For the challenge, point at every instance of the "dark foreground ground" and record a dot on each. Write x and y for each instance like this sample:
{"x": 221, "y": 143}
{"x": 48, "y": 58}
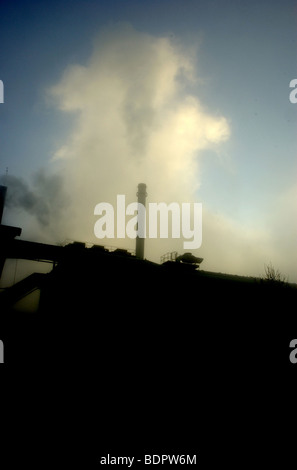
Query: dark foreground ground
{"x": 129, "y": 358}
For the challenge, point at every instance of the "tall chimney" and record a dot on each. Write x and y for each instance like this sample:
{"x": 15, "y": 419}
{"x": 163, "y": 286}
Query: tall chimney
{"x": 141, "y": 195}
{"x": 3, "y": 190}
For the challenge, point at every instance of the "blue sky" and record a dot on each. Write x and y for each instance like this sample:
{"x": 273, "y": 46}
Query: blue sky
{"x": 236, "y": 60}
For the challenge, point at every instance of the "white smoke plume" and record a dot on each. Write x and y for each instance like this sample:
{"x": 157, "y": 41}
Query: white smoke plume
{"x": 135, "y": 122}
{"x": 135, "y": 118}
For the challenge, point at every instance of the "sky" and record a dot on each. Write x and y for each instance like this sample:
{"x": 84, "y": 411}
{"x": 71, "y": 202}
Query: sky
{"x": 190, "y": 97}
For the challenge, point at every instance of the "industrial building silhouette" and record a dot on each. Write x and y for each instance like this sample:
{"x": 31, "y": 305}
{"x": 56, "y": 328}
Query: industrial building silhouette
{"x": 96, "y": 291}
{"x": 184, "y": 349}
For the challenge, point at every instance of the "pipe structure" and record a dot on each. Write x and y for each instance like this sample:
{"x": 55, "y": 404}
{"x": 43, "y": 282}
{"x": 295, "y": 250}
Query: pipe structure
{"x": 3, "y": 190}
{"x": 141, "y": 195}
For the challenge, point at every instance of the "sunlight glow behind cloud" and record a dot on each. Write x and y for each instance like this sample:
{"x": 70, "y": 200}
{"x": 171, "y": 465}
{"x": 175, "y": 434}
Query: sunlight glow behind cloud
{"x": 135, "y": 121}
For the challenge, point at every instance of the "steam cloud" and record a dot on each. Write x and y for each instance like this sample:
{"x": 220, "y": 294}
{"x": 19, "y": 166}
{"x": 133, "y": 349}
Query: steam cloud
{"x": 135, "y": 122}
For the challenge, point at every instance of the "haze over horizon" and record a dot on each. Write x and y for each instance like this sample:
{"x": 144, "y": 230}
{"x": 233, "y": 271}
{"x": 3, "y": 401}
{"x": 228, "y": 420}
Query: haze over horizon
{"x": 189, "y": 97}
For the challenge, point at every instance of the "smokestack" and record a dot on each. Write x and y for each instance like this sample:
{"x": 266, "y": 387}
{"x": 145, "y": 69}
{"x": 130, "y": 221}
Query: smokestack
{"x": 3, "y": 190}
{"x": 141, "y": 195}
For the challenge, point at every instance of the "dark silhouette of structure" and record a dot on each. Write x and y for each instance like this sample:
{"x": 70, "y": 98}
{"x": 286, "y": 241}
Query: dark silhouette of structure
{"x": 183, "y": 350}
{"x": 3, "y": 190}
{"x": 141, "y": 195}
{"x": 7, "y": 233}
